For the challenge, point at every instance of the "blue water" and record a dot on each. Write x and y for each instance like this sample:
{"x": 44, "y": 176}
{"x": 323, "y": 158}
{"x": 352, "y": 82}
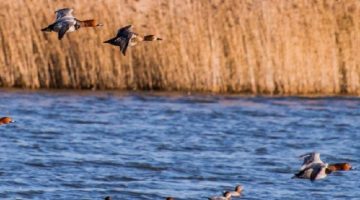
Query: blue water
{"x": 87, "y": 145}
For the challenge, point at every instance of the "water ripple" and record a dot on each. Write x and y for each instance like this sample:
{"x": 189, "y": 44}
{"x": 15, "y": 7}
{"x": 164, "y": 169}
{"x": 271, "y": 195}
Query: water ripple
{"x": 87, "y": 145}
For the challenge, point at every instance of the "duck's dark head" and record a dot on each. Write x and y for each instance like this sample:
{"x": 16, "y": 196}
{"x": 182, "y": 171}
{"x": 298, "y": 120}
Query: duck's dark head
{"x": 239, "y": 188}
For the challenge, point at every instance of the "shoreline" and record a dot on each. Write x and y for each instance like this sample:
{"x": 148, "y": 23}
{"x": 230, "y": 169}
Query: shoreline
{"x": 177, "y": 93}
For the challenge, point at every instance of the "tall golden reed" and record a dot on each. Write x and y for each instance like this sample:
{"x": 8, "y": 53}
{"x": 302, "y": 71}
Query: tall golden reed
{"x": 242, "y": 46}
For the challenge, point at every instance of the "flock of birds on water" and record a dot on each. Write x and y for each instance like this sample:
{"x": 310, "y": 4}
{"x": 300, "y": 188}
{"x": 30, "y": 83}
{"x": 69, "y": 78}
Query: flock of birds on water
{"x": 312, "y": 168}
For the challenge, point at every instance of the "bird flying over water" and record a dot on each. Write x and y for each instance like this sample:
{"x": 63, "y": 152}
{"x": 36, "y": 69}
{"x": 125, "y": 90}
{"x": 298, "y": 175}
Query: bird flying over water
{"x": 314, "y": 168}
{"x": 126, "y": 37}
{"x": 65, "y": 22}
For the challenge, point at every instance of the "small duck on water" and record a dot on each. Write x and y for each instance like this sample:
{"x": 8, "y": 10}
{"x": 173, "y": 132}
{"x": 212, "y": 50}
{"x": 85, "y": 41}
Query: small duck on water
{"x": 226, "y": 196}
{"x": 314, "y": 168}
{"x": 65, "y": 22}
{"x": 237, "y": 192}
{"x": 6, "y": 120}
{"x": 126, "y": 37}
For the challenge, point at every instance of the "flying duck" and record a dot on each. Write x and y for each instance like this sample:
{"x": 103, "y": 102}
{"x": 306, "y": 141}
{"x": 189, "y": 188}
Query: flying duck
{"x": 314, "y": 168}
{"x": 126, "y": 37}
{"x": 65, "y": 22}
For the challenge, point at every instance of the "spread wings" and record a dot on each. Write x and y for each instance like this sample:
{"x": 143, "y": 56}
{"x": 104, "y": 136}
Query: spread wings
{"x": 309, "y": 159}
{"x": 124, "y": 31}
{"x": 63, "y": 30}
{"x": 65, "y": 12}
{"x": 124, "y": 36}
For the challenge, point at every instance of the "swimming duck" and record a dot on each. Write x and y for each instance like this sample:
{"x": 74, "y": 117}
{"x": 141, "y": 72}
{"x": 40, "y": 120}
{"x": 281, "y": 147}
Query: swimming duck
{"x": 169, "y": 198}
{"x": 65, "y": 22}
{"x": 6, "y": 120}
{"x": 107, "y": 198}
{"x": 125, "y": 37}
{"x": 237, "y": 192}
{"x": 226, "y": 196}
{"x": 314, "y": 168}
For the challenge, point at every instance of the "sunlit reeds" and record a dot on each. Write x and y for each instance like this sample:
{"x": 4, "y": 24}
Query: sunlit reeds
{"x": 242, "y": 46}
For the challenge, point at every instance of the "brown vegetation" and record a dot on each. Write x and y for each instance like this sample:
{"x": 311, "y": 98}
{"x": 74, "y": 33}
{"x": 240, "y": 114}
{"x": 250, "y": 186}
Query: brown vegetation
{"x": 242, "y": 46}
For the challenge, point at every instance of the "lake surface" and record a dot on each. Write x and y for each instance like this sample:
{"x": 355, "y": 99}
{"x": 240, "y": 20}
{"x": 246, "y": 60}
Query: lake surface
{"x": 87, "y": 145}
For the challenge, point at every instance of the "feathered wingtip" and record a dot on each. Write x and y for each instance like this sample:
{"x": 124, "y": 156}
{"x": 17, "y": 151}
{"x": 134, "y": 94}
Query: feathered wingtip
{"x": 108, "y": 41}
{"x": 47, "y": 29}
{"x": 308, "y": 154}
{"x": 113, "y": 42}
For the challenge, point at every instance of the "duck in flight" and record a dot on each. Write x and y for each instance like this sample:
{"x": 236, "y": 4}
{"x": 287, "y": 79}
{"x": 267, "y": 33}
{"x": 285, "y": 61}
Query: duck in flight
{"x": 65, "y": 22}
{"x": 314, "y": 168}
{"x": 126, "y": 37}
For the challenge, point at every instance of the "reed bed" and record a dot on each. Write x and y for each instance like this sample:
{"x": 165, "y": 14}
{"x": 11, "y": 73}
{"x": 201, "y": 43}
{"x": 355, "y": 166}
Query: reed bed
{"x": 297, "y": 47}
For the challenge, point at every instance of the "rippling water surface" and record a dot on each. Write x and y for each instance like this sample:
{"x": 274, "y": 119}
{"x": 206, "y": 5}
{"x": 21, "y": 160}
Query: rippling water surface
{"x": 87, "y": 145}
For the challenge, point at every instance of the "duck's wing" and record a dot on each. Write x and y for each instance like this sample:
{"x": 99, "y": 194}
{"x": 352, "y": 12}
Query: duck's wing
{"x": 65, "y": 24}
{"x": 63, "y": 30}
{"x": 65, "y": 12}
{"x": 316, "y": 172}
{"x": 301, "y": 173}
{"x": 124, "y": 43}
{"x": 310, "y": 158}
{"x": 312, "y": 172}
{"x": 123, "y": 38}
{"x": 124, "y": 31}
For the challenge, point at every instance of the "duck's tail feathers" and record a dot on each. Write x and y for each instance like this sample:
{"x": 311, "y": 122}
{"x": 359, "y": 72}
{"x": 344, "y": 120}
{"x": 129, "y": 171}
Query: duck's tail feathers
{"x": 109, "y": 41}
{"x": 48, "y": 29}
